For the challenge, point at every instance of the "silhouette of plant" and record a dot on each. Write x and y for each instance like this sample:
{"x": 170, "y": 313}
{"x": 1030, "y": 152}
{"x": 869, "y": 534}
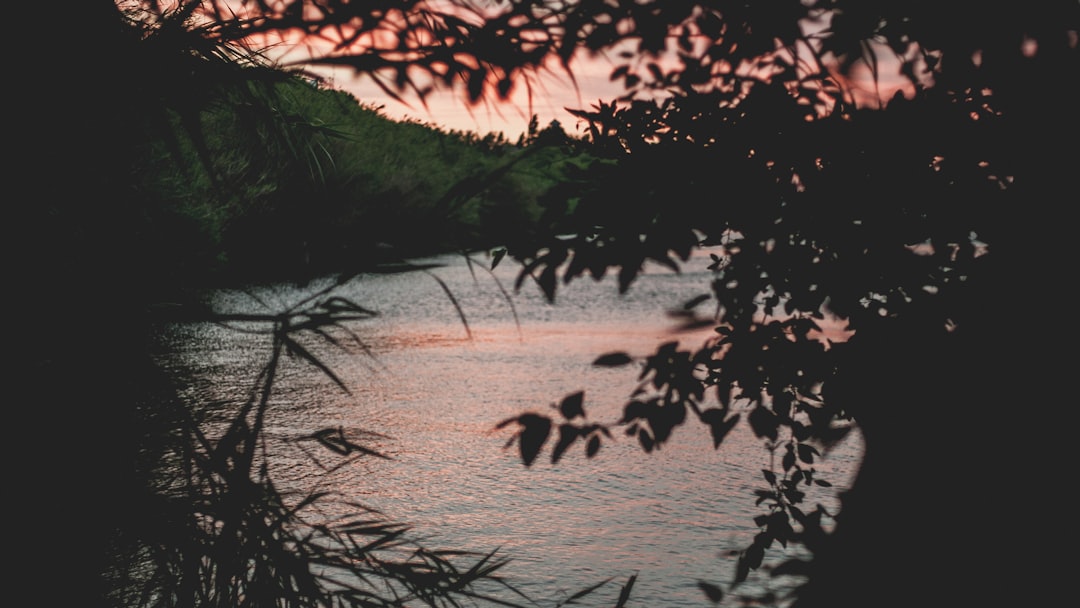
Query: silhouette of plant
{"x": 116, "y": 478}
{"x": 856, "y": 244}
{"x": 217, "y": 530}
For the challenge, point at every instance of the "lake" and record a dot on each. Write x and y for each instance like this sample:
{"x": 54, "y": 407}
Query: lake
{"x": 427, "y": 390}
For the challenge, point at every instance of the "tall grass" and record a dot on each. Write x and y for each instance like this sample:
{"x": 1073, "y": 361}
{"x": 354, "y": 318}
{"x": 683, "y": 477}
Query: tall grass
{"x": 222, "y": 533}
{"x": 216, "y": 529}
{"x": 252, "y": 171}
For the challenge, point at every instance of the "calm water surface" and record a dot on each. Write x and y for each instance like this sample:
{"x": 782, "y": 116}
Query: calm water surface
{"x": 434, "y": 393}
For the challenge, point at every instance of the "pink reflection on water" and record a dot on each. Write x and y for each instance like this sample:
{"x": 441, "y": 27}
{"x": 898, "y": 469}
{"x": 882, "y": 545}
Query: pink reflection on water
{"x": 669, "y": 514}
{"x": 435, "y": 396}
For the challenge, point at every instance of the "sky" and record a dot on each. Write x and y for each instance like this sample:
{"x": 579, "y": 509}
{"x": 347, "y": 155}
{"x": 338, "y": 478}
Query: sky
{"x": 552, "y": 93}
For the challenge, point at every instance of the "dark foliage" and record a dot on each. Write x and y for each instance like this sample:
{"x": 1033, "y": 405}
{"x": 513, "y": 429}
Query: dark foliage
{"x": 94, "y": 523}
{"x": 921, "y": 223}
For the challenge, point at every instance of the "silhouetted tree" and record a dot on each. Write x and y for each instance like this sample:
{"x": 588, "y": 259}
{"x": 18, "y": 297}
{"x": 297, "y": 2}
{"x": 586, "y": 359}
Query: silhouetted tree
{"x": 923, "y": 221}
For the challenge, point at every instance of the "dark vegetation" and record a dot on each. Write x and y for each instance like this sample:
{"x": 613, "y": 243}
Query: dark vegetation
{"x": 198, "y": 164}
{"x": 933, "y": 223}
{"x": 344, "y": 187}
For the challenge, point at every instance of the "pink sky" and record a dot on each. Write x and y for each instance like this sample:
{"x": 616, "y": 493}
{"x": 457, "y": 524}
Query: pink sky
{"x": 552, "y": 92}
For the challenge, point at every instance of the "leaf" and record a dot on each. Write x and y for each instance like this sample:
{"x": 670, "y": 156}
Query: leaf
{"x": 476, "y": 84}
{"x": 496, "y": 256}
{"x": 800, "y": 430}
{"x": 635, "y": 410}
{"x": 627, "y": 274}
{"x": 692, "y": 302}
{"x": 793, "y": 567}
{"x": 718, "y": 427}
{"x": 571, "y": 406}
{"x": 593, "y": 446}
{"x": 534, "y": 433}
{"x": 586, "y": 591}
{"x": 780, "y": 527}
{"x": 764, "y": 423}
{"x": 646, "y": 440}
{"x": 614, "y": 359}
{"x": 624, "y": 595}
{"x": 654, "y": 70}
{"x": 568, "y": 433}
{"x": 714, "y": 593}
{"x": 505, "y": 85}
{"x": 334, "y": 439}
{"x": 793, "y": 495}
{"x": 293, "y": 347}
{"x": 340, "y": 304}
{"x": 797, "y": 476}
{"x": 453, "y": 300}
{"x": 547, "y": 282}
{"x": 367, "y": 527}
{"x": 807, "y": 453}
{"x": 755, "y": 553}
{"x": 742, "y": 569}
{"x": 789, "y": 460}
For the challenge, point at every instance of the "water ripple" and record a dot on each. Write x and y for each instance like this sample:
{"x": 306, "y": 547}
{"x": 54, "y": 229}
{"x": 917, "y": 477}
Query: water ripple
{"x": 429, "y": 398}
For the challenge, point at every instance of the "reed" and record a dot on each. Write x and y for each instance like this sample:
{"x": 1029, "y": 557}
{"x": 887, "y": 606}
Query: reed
{"x": 217, "y": 530}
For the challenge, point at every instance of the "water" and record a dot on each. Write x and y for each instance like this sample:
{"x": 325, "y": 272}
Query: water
{"x": 433, "y": 389}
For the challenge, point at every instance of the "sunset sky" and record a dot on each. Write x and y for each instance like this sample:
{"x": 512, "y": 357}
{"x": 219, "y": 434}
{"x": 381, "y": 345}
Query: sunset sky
{"x": 551, "y": 93}
{"x": 550, "y": 96}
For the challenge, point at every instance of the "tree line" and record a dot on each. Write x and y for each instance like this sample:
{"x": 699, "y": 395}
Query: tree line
{"x": 931, "y": 222}
{"x": 346, "y": 187}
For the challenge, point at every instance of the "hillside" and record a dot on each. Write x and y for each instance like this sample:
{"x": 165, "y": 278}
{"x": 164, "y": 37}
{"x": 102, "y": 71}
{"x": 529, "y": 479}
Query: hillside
{"x": 322, "y": 181}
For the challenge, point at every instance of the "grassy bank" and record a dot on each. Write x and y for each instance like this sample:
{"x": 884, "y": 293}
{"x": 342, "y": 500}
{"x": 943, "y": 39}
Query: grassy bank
{"x": 232, "y": 193}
